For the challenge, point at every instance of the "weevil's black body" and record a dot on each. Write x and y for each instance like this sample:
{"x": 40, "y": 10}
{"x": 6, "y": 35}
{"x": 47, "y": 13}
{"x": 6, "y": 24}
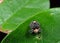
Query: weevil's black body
{"x": 35, "y": 25}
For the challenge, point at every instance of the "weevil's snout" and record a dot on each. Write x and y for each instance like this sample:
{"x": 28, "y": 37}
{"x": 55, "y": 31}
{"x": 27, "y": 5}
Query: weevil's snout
{"x": 36, "y": 30}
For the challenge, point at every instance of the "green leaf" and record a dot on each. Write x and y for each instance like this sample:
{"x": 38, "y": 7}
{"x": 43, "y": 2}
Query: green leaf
{"x": 15, "y": 12}
{"x": 10, "y": 7}
{"x": 50, "y": 25}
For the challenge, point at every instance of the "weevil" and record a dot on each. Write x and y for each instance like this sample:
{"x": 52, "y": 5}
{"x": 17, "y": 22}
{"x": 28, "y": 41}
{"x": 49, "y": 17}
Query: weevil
{"x": 35, "y": 27}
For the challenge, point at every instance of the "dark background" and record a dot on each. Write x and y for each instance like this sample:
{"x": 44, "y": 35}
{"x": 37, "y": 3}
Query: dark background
{"x": 2, "y": 35}
{"x": 53, "y": 4}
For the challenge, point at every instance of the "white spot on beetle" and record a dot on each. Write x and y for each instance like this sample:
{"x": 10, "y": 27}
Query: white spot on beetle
{"x": 34, "y": 21}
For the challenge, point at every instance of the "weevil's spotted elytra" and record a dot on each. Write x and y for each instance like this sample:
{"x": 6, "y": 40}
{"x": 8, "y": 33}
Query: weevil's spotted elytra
{"x": 35, "y": 27}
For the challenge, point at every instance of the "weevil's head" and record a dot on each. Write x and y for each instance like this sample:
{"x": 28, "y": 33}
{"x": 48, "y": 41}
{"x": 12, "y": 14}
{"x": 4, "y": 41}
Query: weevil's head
{"x": 34, "y": 25}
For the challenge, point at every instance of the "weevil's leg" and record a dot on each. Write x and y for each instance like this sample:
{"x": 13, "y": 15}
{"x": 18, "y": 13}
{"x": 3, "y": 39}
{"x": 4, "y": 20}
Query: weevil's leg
{"x": 39, "y": 31}
{"x": 31, "y": 31}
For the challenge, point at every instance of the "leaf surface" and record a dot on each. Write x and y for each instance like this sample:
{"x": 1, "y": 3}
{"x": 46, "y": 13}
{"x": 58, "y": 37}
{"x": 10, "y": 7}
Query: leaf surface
{"x": 49, "y": 21}
{"x": 14, "y": 12}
